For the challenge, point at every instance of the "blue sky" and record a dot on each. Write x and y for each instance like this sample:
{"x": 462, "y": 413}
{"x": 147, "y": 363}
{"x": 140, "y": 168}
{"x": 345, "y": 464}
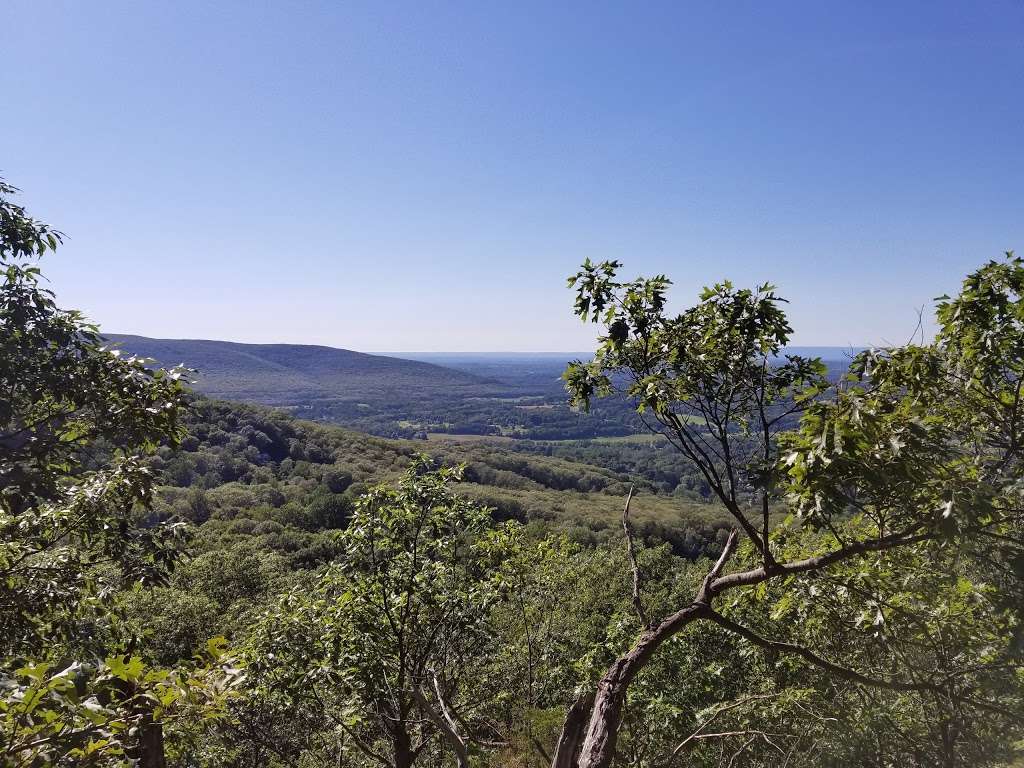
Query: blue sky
{"x": 423, "y": 176}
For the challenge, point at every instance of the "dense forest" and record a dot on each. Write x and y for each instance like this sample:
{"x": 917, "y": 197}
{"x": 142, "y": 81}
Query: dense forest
{"x": 795, "y": 569}
{"x": 250, "y": 473}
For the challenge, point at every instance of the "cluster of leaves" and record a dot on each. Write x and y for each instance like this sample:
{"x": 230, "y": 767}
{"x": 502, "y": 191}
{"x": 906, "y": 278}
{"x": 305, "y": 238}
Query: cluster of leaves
{"x": 110, "y": 711}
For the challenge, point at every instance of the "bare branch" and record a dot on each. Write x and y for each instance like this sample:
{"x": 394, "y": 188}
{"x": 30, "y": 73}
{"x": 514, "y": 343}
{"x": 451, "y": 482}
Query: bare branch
{"x": 698, "y": 734}
{"x": 740, "y": 751}
{"x": 444, "y": 724}
{"x": 766, "y": 735}
{"x": 638, "y": 605}
{"x": 362, "y": 747}
{"x": 706, "y": 589}
{"x": 540, "y": 749}
{"x": 445, "y": 709}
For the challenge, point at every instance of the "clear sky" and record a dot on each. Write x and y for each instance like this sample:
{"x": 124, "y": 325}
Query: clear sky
{"x": 423, "y": 176}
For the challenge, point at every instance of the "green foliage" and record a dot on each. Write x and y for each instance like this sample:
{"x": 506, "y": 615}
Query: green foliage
{"x": 107, "y": 711}
{"x": 71, "y": 535}
{"x": 904, "y": 477}
{"x": 233, "y": 474}
{"x": 392, "y": 608}
{"x": 389, "y": 636}
{"x": 927, "y": 436}
{"x": 721, "y": 345}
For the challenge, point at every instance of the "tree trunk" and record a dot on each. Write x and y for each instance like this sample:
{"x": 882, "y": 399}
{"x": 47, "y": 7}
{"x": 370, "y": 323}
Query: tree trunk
{"x": 445, "y": 724}
{"x": 603, "y": 729}
{"x": 151, "y": 745}
{"x": 570, "y": 740}
{"x": 148, "y": 752}
{"x": 403, "y": 747}
{"x": 606, "y": 714}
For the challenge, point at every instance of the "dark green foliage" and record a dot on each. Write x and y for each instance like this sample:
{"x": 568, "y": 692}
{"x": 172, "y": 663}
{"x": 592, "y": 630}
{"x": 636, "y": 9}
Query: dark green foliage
{"x": 76, "y": 423}
{"x": 64, "y": 392}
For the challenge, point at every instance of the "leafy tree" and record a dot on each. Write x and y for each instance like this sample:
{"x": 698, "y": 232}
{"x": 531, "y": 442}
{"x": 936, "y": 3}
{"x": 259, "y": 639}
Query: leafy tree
{"x": 72, "y": 689}
{"x": 384, "y": 645}
{"x": 337, "y": 479}
{"x": 330, "y": 510}
{"x": 913, "y": 456}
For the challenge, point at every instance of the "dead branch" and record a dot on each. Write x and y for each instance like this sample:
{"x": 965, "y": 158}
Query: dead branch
{"x": 638, "y": 605}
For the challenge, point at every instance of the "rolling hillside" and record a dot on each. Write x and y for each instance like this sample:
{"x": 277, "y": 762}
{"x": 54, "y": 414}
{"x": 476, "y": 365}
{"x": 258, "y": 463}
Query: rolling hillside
{"x": 299, "y": 374}
{"x": 491, "y": 395}
{"x": 383, "y": 395}
{"x": 249, "y": 461}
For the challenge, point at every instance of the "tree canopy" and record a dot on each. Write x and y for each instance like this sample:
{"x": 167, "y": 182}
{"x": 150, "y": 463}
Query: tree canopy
{"x": 901, "y": 476}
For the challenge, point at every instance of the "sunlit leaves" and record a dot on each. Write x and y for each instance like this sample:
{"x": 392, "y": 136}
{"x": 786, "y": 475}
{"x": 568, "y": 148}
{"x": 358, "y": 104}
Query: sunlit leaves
{"x": 409, "y": 602}
{"x": 62, "y": 714}
{"x": 904, "y": 476}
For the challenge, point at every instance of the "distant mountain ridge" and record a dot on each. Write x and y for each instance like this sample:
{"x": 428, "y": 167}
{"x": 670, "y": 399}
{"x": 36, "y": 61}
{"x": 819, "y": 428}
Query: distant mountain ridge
{"x": 521, "y": 396}
{"x": 286, "y": 374}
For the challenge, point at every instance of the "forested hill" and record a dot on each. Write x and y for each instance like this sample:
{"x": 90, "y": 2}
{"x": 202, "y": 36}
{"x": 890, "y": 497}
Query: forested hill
{"x": 294, "y": 374}
{"x": 246, "y": 471}
{"x": 506, "y": 396}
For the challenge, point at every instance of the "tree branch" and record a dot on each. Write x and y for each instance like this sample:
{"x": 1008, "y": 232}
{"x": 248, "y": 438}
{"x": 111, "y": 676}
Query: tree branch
{"x": 444, "y": 721}
{"x": 638, "y": 605}
{"x": 698, "y": 734}
{"x": 818, "y": 661}
{"x": 757, "y": 575}
{"x": 707, "y": 590}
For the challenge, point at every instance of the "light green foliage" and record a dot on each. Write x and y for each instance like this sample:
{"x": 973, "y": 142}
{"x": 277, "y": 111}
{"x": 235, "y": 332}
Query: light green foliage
{"x": 391, "y": 634}
{"x": 110, "y": 711}
{"x": 925, "y": 613}
{"x": 929, "y": 434}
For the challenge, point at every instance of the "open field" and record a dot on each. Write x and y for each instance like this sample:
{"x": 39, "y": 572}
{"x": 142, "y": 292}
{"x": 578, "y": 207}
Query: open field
{"x": 641, "y": 439}
{"x": 444, "y": 437}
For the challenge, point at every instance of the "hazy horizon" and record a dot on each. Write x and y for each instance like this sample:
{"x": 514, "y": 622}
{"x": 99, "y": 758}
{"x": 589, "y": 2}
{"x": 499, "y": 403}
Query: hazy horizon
{"x": 440, "y": 354}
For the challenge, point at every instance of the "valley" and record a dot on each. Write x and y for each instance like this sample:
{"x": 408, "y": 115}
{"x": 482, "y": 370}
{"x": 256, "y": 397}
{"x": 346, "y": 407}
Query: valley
{"x": 424, "y": 397}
